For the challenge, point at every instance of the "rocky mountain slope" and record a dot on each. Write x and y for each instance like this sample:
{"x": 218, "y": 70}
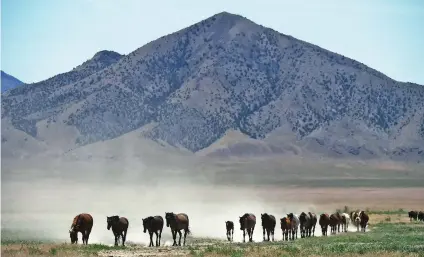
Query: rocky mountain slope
{"x": 8, "y": 81}
{"x": 194, "y": 87}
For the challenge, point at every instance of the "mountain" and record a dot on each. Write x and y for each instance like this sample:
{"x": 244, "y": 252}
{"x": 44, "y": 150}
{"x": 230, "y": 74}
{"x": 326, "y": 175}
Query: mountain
{"x": 8, "y": 82}
{"x": 198, "y": 87}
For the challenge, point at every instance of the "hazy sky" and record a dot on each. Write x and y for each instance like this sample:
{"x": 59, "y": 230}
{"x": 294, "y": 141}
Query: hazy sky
{"x": 41, "y": 38}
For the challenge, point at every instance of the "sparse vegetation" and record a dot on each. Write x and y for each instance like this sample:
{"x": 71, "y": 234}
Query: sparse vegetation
{"x": 384, "y": 238}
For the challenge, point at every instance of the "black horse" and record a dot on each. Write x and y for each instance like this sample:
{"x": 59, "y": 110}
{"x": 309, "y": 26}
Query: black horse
{"x": 305, "y": 225}
{"x": 229, "y": 225}
{"x": 119, "y": 227}
{"x": 268, "y": 225}
{"x": 413, "y": 215}
{"x": 154, "y": 224}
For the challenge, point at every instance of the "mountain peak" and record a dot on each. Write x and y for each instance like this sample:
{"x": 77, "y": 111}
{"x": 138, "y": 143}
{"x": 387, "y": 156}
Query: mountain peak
{"x": 107, "y": 54}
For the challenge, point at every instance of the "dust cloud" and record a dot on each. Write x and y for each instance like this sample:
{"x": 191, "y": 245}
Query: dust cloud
{"x": 43, "y": 208}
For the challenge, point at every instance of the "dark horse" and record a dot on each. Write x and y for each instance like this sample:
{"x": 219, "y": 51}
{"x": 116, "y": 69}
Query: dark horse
{"x": 154, "y": 224}
{"x": 421, "y": 216}
{"x": 305, "y": 221}
{"x": 324, "y": 221}
{"x": 307, "y": 224}
{"x": 413, "y": 215}
{"x": 335, "y": 222}
{"x": 313, "y": 222}
{"x": 119, "y": 227}
{"x": 247, "y": 222}
{"x": 229, "y": 225}
{"x": 268, "y": 225}
{"x": 364, "y": 220}
{"x": 177, "y": 222}
{"x": 82, "y": 223}
{"x": 285, "y": 227}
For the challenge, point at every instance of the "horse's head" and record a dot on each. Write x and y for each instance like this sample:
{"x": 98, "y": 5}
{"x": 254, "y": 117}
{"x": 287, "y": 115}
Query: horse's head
{"x": 241, "y": 220}
{"x": 74, "y": 236}
{"x": 290, "y": 215}
{"x": 228, "y": 225}
{"x": 302, "y": 217}
{"x": 111, "y": 221}
{"x": 169, "y": 216}
{"x": 146, "y": 223}
{"x": 264, "y": 217}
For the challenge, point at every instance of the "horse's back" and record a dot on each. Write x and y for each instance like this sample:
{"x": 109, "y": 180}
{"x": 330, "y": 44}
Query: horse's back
{"x": 85, "y": 220}
{"x": 124, "y": 222}
{"x": 182, "y": 218}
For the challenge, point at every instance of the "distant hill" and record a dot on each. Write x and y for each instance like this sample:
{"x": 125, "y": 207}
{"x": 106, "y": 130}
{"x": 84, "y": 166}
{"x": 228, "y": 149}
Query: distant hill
{"x": 8, "y": 82}
{"x": 222, "y": 77}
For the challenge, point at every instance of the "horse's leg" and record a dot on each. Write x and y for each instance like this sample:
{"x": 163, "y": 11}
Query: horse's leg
{"x": 124, "y": 237}
{"x": 244, "y": 235}
{"x": 160, "y": 236}
{"x": 249, "y": 233}
{"x": 174, "y": 236}
{"x": 263, "y": 233}
{"x": 267, "y": 233}
{"x": 185, "y": 235}
{"x": 179, "y": 240}
{"x": 232, "y": 235}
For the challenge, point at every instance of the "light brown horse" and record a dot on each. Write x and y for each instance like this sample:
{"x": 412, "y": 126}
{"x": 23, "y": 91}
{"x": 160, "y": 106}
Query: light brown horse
{"x": 81, "y": 223}
{"x": 286, "y": 228}
{"x": 177, "y": 222}
{"x": 324, "y": 221}
{"x": 119, "y": 227}
{"x": 247, "y": 222}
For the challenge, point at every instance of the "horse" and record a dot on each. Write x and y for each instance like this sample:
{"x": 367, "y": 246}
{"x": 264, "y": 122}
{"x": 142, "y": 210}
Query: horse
{"x": 356, "y": 220}
{"x": 421, "y": 216}
{"x": 305, "y": 224}
{"x": 229, "y": 225}
{"x": 294, "y": 222}
{"x": 286, "y": 228}
{"x": 177, "y": 222}
{"x": 364, "y": 220}
{"x": 268, "y": 225}
{"x": 119, "y": 227}
{"x": 413, "y": 215}
{"x": 154, "y": 224}
{"x": 324, "y": 221}
{"x": 345, "y": 221}
{"x": 81, "y": 223}
{"x": 335, "y": 221}
{"x": 313, "y": 222}
{"x": 247, "y": 222}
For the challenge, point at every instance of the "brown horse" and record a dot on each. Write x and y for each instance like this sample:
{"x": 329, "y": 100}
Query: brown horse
{"x": 285, "y": 227}
{"x": 324, "y": 221}
{"x": 154, "y": 224}
{"x": 81, "y": 223}
{"x": 364, "y": 220}
{"x": 268, "y": 225}
{"x": 229, "y": 225}
{"x": 335, "y": 222}
{"x": 247, "y": 222}
{"x": 177, "y": 222}
{"x": 294, "y": 222}
{"x": 119, "y": 227}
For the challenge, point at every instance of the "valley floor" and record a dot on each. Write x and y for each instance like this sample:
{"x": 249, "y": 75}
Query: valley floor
{"x": 389, "y": 234}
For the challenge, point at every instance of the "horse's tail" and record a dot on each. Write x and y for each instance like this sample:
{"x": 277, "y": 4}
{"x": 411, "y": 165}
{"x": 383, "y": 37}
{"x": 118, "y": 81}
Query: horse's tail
{"x": 188, "y": 230}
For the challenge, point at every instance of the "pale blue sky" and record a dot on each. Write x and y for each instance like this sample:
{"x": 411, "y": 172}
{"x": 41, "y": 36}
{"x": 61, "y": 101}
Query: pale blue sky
{"x": 41, "y": 38}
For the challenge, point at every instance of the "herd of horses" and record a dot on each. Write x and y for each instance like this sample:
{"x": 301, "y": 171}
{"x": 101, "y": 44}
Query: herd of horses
{"x": 290, "y": 225}
{"x": 416, "y": 215}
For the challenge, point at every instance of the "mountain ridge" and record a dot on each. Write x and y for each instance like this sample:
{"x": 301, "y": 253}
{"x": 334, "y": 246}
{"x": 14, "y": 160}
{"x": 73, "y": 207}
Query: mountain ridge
{"x": 8, "y": 82}
{"x": 228, "y": 73}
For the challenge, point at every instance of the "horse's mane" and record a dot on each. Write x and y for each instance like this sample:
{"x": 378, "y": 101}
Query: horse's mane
{"x": 245, "y": 215}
